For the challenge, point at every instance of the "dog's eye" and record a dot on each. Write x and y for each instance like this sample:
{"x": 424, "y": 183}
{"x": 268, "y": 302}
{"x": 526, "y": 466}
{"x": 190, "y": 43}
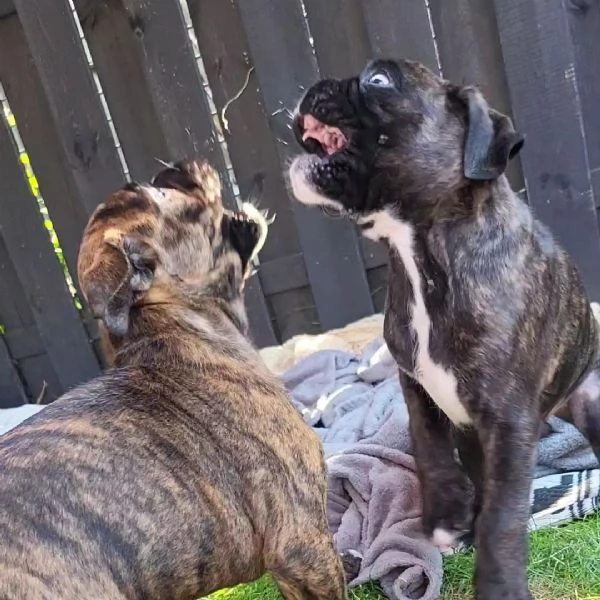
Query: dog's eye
{"x": 380, "y": 79}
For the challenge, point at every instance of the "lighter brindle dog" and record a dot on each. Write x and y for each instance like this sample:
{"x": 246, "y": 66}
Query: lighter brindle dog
{"x": 486, "y": 315}
{"x": 184, "y": 468}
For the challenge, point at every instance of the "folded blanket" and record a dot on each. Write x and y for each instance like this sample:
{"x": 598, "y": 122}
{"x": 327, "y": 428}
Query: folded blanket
{"x": 356, "y": 406}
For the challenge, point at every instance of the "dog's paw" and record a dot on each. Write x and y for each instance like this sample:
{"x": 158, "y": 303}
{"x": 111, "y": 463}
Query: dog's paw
{"x": 444, "y": 540}
{"x": 449, "y": 524}
{"x": 351, "y": 562}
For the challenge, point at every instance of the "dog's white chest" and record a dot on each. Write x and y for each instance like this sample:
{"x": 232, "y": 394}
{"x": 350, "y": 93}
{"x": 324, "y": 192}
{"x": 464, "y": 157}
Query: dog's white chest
{"x": 439, "y": 382}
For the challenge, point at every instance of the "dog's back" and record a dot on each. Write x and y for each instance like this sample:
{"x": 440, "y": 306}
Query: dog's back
{"x": 184, "y": 468}
{"x": 88, "y": 485}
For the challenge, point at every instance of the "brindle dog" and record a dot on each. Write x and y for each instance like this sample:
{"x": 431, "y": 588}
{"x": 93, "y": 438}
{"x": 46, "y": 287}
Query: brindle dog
{"x": 184, "y": 468}
{"x": 486, "y": 315}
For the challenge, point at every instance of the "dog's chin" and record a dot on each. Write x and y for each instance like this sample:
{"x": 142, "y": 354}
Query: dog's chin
{"x": 306, "y": 192}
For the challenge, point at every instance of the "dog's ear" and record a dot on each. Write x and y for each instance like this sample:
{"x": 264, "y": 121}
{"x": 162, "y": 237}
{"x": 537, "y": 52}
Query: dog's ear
{"x": 194, "y": 177}
{"x": 491, "y": 140}
{"x": 121, "y": 271}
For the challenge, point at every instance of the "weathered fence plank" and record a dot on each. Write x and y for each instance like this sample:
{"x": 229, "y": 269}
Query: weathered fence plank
{"x": 21, "y": 335}
{"x": 285, "y": 65}
{"x": 342, "y": 50}
{"x": 584, "y": 21}
{"x": 400, "y": 29}
{"x": 539, "y": 58}
{"x": 174, "y": 81}
{"x": 251, "y": 146}
{"x": 469, "y": 50}
{"x": 11, "y": 388}
{"x": 115, "y": 52}
{"x": 72, "y": 96}
{"x": 40, "y": 275}
{"x": 27, "y": 99}
{"x": 28, "y": 102}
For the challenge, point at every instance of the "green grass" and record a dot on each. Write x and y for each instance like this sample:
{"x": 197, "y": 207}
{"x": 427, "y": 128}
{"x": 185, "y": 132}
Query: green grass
{"x": 564, "y": 564}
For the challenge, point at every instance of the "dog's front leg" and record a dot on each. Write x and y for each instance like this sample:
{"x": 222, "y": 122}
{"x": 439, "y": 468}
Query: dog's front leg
{"x": 446, "y": 489}
{"x": 509, "y": 446}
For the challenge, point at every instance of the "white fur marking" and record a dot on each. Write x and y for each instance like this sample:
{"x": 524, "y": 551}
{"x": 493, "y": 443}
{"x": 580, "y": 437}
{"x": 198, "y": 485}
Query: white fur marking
{"x": 442, "y": 539}
{"x": 302, "y": 188}
{"x": 439, "y": 382}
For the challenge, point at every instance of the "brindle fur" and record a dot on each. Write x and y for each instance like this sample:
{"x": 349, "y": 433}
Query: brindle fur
{"x": 510, "y": 315}
{"x": 184, "y": 468}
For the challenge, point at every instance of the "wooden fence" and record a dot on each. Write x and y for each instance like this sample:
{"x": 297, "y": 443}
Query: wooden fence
{"x": 101, "y": 88}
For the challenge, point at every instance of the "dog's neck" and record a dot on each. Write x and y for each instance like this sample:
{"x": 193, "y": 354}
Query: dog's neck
{"x": 479, "y": 205}
{"x": 190, "y": 327}
{"x": 492, "y": 226}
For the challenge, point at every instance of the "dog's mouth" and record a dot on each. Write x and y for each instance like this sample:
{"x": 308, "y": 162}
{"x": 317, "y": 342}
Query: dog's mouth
{"x": 247, "y": 231}
{"x": 321, "y": 139}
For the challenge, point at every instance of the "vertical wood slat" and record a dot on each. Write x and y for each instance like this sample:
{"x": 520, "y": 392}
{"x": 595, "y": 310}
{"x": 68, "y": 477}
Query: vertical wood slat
{"x": 584, "y": 21}
{"x": 38, "y": 131}
{"x": 181, "y": 106}
{"x": 29, "y": 249}
{"x": 174, "y": 82}
{"x": 285, "y": 65}
{"x": 84, "y": 132}
{"x": 342, "y": 51}
{"x": 20, "y": 334}
{"x": 539, "y": 59}
{"x": 28, "y": 103}
{"x": 469, "y": 49}
{"x": 11, "y": 388}
{"x": 400, "y": 29}
{"x": 115, "y": 52}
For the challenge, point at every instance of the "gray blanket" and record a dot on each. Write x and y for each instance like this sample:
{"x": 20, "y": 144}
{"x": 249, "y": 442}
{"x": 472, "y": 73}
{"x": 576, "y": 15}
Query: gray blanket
{"x": 356, "y": 406}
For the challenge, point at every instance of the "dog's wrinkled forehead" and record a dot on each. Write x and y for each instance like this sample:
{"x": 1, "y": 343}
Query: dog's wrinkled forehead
{"x": 330, "y": 100}
{"x": 172, "y": 210}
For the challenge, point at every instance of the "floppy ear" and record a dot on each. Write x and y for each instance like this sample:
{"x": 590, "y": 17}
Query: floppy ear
{"x": 491, "y": 140}
{"x": 121, "y": 272}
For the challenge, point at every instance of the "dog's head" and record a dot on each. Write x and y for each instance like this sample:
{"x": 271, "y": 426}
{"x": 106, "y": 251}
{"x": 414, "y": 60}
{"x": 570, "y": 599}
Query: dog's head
{"x": 172, "y": 234}
{"x": 396, "y": 134}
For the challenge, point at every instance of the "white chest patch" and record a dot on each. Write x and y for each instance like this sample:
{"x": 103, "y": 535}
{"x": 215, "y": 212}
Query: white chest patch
{"x": 440, "y": 383}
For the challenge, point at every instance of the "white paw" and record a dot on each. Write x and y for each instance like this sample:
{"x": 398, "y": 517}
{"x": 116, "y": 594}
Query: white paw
{"x": 444, "y": 540}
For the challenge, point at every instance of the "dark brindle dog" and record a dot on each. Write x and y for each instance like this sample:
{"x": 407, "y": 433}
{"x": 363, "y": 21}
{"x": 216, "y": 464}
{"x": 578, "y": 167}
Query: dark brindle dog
{"x": 486, "y": 315}
{"x": 185, "y": 468}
